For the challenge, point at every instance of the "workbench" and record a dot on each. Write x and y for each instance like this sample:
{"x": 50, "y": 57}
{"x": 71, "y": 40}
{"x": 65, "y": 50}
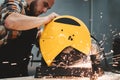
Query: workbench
{"x": 106, "y": 76}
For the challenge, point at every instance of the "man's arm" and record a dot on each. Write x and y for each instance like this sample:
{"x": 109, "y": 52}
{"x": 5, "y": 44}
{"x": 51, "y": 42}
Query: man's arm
{"x": 17, "y": 21}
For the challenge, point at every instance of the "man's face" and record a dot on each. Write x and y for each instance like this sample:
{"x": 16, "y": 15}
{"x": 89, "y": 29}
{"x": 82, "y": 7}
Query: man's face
{"x": 38, "y": 7}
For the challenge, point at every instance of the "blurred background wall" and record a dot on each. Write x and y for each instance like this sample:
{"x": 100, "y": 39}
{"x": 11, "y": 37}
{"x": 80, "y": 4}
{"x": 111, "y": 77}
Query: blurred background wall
{"x": 102, "y": 17}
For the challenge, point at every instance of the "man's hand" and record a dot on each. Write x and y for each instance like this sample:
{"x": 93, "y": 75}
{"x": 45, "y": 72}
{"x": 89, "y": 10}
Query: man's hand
{"x": 47, "y": 19}
{"x": 50, "y": 17}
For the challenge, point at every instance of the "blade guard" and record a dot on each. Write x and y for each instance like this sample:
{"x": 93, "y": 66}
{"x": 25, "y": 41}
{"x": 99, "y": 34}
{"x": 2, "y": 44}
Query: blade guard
{"x": 62, "y": 32}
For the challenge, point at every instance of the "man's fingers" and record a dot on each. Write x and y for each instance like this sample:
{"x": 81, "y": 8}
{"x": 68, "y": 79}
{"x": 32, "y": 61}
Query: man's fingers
{"x": 53, "y": 15}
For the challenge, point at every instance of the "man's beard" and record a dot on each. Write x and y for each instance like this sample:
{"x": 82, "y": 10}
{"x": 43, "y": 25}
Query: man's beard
{"x": 31, "y": 11}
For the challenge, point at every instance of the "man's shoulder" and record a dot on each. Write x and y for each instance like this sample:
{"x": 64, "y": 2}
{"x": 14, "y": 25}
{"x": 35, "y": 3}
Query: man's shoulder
{"x": 15, "y": 2}
{"x": 13, "y": 6}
